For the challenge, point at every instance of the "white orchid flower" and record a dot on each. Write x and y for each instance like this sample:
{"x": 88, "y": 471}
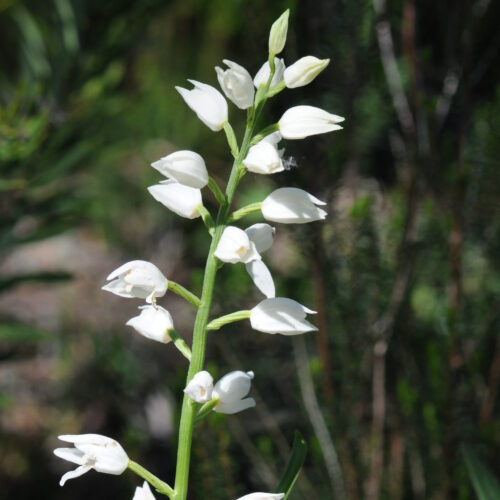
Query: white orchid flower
{"x": 237, "y": 84}
{"x": 235, "y": 246}
{"x": 143, "y": 492}
{"x": 92, "y": 451}
{"x": 263, "y": 496}
{"x": 182, "y": 200}
{"x": 208, "y": 104}
{"x": 200, "y": 387}
{"x": 292, "y": 206}
{"x": 154, "y": 323}
{"x": 185, "y": 167}
{"x": 230, "y": 391}
{"x": 300, "y": 122}
{"x": 139, "y": 279}
{"x": 264, "y": 158}
{"x": 304, "y": 71}
{"x": 263, "y": 74}
{"x": 281, "y": 315}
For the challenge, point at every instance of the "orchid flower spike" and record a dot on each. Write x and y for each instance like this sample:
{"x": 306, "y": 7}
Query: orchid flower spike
{"x": 182, "y": 200}
{"x": 237, "y": 84}
{"x": 300, "y": 122}
{"x": 154, "y": 323}
{"x": 92, "y": 451}
{"x": 200, "y": 387}
{"x": 261, "y": 235}
{"x": 208, "y": 104}
{"x": 263, "y": 74}
{"x": 235, "y": 246}
{"x": 139, "y": 279}
{"x": 281, "y": 315}
{"x": 143, "y": 492}
{"x": 230, "y": 391}
{"x": 292, "y": 206}
{"x": 263, "y": 496}
{"x": 185, "y": 167}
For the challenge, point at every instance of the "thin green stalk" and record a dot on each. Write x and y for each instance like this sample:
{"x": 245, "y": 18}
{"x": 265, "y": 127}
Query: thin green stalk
{"x": 201, "y": 321}
{"x": 160, "y": 486}
{"x": 244, "y": 211}
{"x": 228, "y": 318}
{"x": 184, "y": 293}
{"x": 180, "y": 344}
{"x": 214, "y": 187}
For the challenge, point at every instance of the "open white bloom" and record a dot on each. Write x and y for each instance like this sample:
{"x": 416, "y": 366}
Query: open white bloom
{"x": 302, "y": 121}
{"x": 184, "y": 167}
{"x": 262, "y": 236}
{"x": 231, "y": 390}
{"x": 292, "y": 206}
{"x": 92, "y": 451}
{"x": 263, "y": 496}
{"x": 154, "y": 323}
{"x": 182, "y": 200}
{"x": 143, "y": 493}
{"x": 281, "y": 315}
{"x": 263, "y": 74}
{"x": 235, "y": 246}
{"x": 236, "y": 83}
{"x": 208, "y": 104}
{"x": 304, "y": 71}
{"x": 139, "y": 279}
{"x": 264, "y": 158}
{"x": 200, "y": 387}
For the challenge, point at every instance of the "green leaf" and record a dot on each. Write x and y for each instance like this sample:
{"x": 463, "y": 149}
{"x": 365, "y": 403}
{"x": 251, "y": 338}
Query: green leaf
{"x": 294, "y": 465}
{"x": 16, "y": 332}
{"x": 485, "y": 484}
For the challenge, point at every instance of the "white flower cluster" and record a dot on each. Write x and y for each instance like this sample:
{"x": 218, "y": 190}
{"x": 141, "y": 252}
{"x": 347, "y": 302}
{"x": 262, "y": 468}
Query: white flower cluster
{"x": 186, "y": 175}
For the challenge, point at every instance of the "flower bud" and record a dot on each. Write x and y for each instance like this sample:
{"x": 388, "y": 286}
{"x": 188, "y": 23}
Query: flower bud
{"x": 236, "y": 83}
{"x": 263, "y": 496}
{"x": 200, "y": 387}
{"x": 182, "y": 200}
{"x": 281, "y": 315}
{"x": 235, "y": 246}
{"x": 263, "y": 158}
{"x": 92, "y": 451}
{"x": 154, "y": 323}
{"x": 143, "y": 493}
{"x": 231, "y": 390}
{"x": 292, "y": 206}
{"x": 263, "y": 74}
{"x": 304, "y": 71}
{"x": 302, "y": 121}
{"x": 185, "y": 167}
{"x": 208, "y": 104}
{"x": 139, "y": 279}
{"x": 277, "y": 35}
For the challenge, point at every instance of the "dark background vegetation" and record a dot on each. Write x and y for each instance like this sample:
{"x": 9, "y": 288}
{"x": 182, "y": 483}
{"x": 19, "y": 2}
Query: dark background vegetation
{"x": 404, "y": 372}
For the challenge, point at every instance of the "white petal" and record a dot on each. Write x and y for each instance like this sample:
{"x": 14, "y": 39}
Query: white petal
{"x": 200, "y": 387}
{"x": 97, "y": 439}
{"x": 185, "y": 167}
{"x": 263, "y": 74}
{"x": 262, "y": 235}
{"x": 232, "y": 407}
{"x": 182, "y": 200}
{"x": 154, "y": 323}
{"x": 71, "y": 455}
{"x": 235, "y": 246}
{"x": 143, "y": 493}
{"x": 79, "y": 471}
{"x": 262, "y": 278}
{"x": 233, "y": 386}
{"x": 263, "y": 496}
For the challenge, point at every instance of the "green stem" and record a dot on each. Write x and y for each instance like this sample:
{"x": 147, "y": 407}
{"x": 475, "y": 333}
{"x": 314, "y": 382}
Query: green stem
{"x": 231, "y": 139}
{"x": 242, "y": 212}
{"x": 160, "y": 486}
{"x": 180, "y": 343}
{"x": 207, "y": 219}
{"x": 200, "y": 324}
{"x": 228, "y": 318}
{"x": 184, "y": 293}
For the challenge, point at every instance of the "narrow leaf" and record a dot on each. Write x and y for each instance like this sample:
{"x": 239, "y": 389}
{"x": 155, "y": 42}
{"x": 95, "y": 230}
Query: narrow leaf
{"x": 485, "y": 484}
{"x": 299, "y": 452}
